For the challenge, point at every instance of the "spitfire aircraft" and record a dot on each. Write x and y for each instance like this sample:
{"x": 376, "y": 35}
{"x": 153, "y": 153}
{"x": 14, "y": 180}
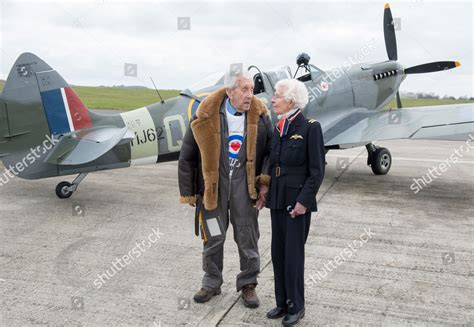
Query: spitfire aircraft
{"x": 46, "y": 131}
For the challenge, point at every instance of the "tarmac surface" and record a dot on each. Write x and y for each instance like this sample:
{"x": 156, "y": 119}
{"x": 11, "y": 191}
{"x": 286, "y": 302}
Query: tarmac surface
{"x": 377, "y": 253}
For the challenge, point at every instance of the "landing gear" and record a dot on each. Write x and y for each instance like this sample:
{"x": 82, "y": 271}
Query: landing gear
{"x": 379, "y": 159}
{"x": 64, "y": 190}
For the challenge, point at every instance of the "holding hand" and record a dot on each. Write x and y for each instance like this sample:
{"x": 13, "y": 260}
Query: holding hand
{"x": 298, "y": 210}
{"x": 262, "y": 197}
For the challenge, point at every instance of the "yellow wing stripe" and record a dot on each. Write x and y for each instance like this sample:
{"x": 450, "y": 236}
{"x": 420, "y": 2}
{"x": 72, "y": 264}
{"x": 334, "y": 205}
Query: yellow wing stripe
{"x": 190, "y": 105}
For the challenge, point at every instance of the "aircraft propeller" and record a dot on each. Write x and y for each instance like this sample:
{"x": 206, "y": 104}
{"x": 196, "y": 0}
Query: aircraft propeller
{"x": 391, "y": 46}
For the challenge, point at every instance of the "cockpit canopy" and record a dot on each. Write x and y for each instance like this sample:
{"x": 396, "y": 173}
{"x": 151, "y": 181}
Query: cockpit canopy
{"x": 207, "y": 82}
{"x": 262, "y": 80}
{"x": 307, "y": 73}
{"x": 304, "y": 74}
{"x": 278, "y": 73}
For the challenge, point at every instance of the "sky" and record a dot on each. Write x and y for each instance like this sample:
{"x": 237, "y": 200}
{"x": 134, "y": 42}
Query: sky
{"x": 178, "y": 43}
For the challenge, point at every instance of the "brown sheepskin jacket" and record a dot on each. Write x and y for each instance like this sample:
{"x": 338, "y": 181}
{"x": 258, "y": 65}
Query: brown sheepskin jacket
{"x": 198, "y": 167}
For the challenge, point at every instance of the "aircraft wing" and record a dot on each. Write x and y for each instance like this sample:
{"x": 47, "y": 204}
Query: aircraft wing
{"x": 86, "y": 145}
{"x": 361, "y": 126}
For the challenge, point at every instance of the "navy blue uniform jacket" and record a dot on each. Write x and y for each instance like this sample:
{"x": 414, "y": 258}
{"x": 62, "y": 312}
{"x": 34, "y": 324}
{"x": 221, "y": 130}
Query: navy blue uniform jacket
{"x": 297, "y": 163}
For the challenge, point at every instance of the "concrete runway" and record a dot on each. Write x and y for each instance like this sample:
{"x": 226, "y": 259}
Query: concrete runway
{"x": 412, "y": 267}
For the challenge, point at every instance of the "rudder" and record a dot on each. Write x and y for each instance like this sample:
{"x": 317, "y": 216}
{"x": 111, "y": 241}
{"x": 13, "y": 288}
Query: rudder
{"x": 64, "y": 110}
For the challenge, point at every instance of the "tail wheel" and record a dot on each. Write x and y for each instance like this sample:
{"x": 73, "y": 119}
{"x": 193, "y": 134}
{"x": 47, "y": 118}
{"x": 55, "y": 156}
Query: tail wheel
{"x": 63, "y": 190}
{"x": 381, "y": 161}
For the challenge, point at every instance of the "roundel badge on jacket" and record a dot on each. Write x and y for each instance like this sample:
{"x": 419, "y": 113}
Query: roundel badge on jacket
{"x": 235, "y": 143}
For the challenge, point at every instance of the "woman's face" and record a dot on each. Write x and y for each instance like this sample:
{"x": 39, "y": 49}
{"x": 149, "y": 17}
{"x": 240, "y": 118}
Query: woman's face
{"x": 280, "y": 105}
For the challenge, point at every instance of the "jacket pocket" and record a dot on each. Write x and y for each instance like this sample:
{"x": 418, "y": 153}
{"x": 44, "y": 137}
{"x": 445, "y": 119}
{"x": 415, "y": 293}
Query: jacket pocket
{"x": 294, "y": 153}
{"x": 291, "y": 194}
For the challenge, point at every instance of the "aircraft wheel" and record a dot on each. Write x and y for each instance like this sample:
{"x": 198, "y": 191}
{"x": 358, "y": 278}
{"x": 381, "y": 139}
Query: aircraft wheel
{"x": 62, "y": 190}
{"x": 381, "y": 161}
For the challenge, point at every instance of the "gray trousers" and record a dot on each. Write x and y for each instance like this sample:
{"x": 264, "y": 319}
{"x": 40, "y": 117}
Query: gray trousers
{"x": 244, "y": 218}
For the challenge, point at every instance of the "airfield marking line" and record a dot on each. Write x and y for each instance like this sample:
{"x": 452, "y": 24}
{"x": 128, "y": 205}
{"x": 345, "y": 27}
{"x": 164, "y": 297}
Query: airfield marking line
{"x": 227, "y": 311}
{"x": 238, "y": 298}
{"x": 467, "y": 162}
{"x": 336, "y": 179}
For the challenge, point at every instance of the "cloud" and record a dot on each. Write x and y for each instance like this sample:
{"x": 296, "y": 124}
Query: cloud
{"x": 88, "y": 42}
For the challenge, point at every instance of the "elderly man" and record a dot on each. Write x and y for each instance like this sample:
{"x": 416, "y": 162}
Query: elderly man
{"x": 223, "y": 170}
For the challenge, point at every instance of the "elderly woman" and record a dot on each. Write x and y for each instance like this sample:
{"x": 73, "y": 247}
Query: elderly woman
{"x": 297, "y": 170}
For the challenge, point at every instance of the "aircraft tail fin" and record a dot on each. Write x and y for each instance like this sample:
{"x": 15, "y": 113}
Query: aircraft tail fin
{"x": 37, "y": 105}
{"x": 33, "y": 82}
{"x": 22, "y": 117}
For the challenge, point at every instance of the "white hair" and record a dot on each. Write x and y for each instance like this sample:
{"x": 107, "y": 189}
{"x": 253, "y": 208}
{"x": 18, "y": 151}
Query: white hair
{"x": 231, "y": 79}
{"x": 293, "y": 90}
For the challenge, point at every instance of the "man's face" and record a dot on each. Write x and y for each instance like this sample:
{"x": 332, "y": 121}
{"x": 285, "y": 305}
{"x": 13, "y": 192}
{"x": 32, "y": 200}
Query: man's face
{"x": 241, "y": 95}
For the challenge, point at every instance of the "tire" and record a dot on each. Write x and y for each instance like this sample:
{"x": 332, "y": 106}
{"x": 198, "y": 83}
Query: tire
{"x": 61, "y": 192}
{"x": 381, "y": 161}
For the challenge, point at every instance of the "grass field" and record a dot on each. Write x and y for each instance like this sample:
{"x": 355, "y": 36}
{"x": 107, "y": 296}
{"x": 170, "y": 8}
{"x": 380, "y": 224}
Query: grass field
{"x": 408, "y": 102}
{"x": 127, "y": 98}
{"x": 120, "y": 98}
{"x": 98, "y": 97}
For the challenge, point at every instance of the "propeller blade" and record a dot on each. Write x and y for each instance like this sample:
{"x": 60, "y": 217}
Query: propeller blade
{"x": 389, "y": 33}
{"x": 432, "y": 67}
{"x": 399, "y": 101}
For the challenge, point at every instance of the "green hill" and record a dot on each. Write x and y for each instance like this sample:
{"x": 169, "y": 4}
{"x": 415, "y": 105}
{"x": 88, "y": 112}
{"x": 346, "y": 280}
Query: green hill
{"x": 120, "y": 98}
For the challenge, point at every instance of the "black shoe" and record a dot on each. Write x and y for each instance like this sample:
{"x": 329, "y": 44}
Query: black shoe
{"x": 293, "y": 319}
{"x": 204, "y": 294}
{"x": 276, "y": 313}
